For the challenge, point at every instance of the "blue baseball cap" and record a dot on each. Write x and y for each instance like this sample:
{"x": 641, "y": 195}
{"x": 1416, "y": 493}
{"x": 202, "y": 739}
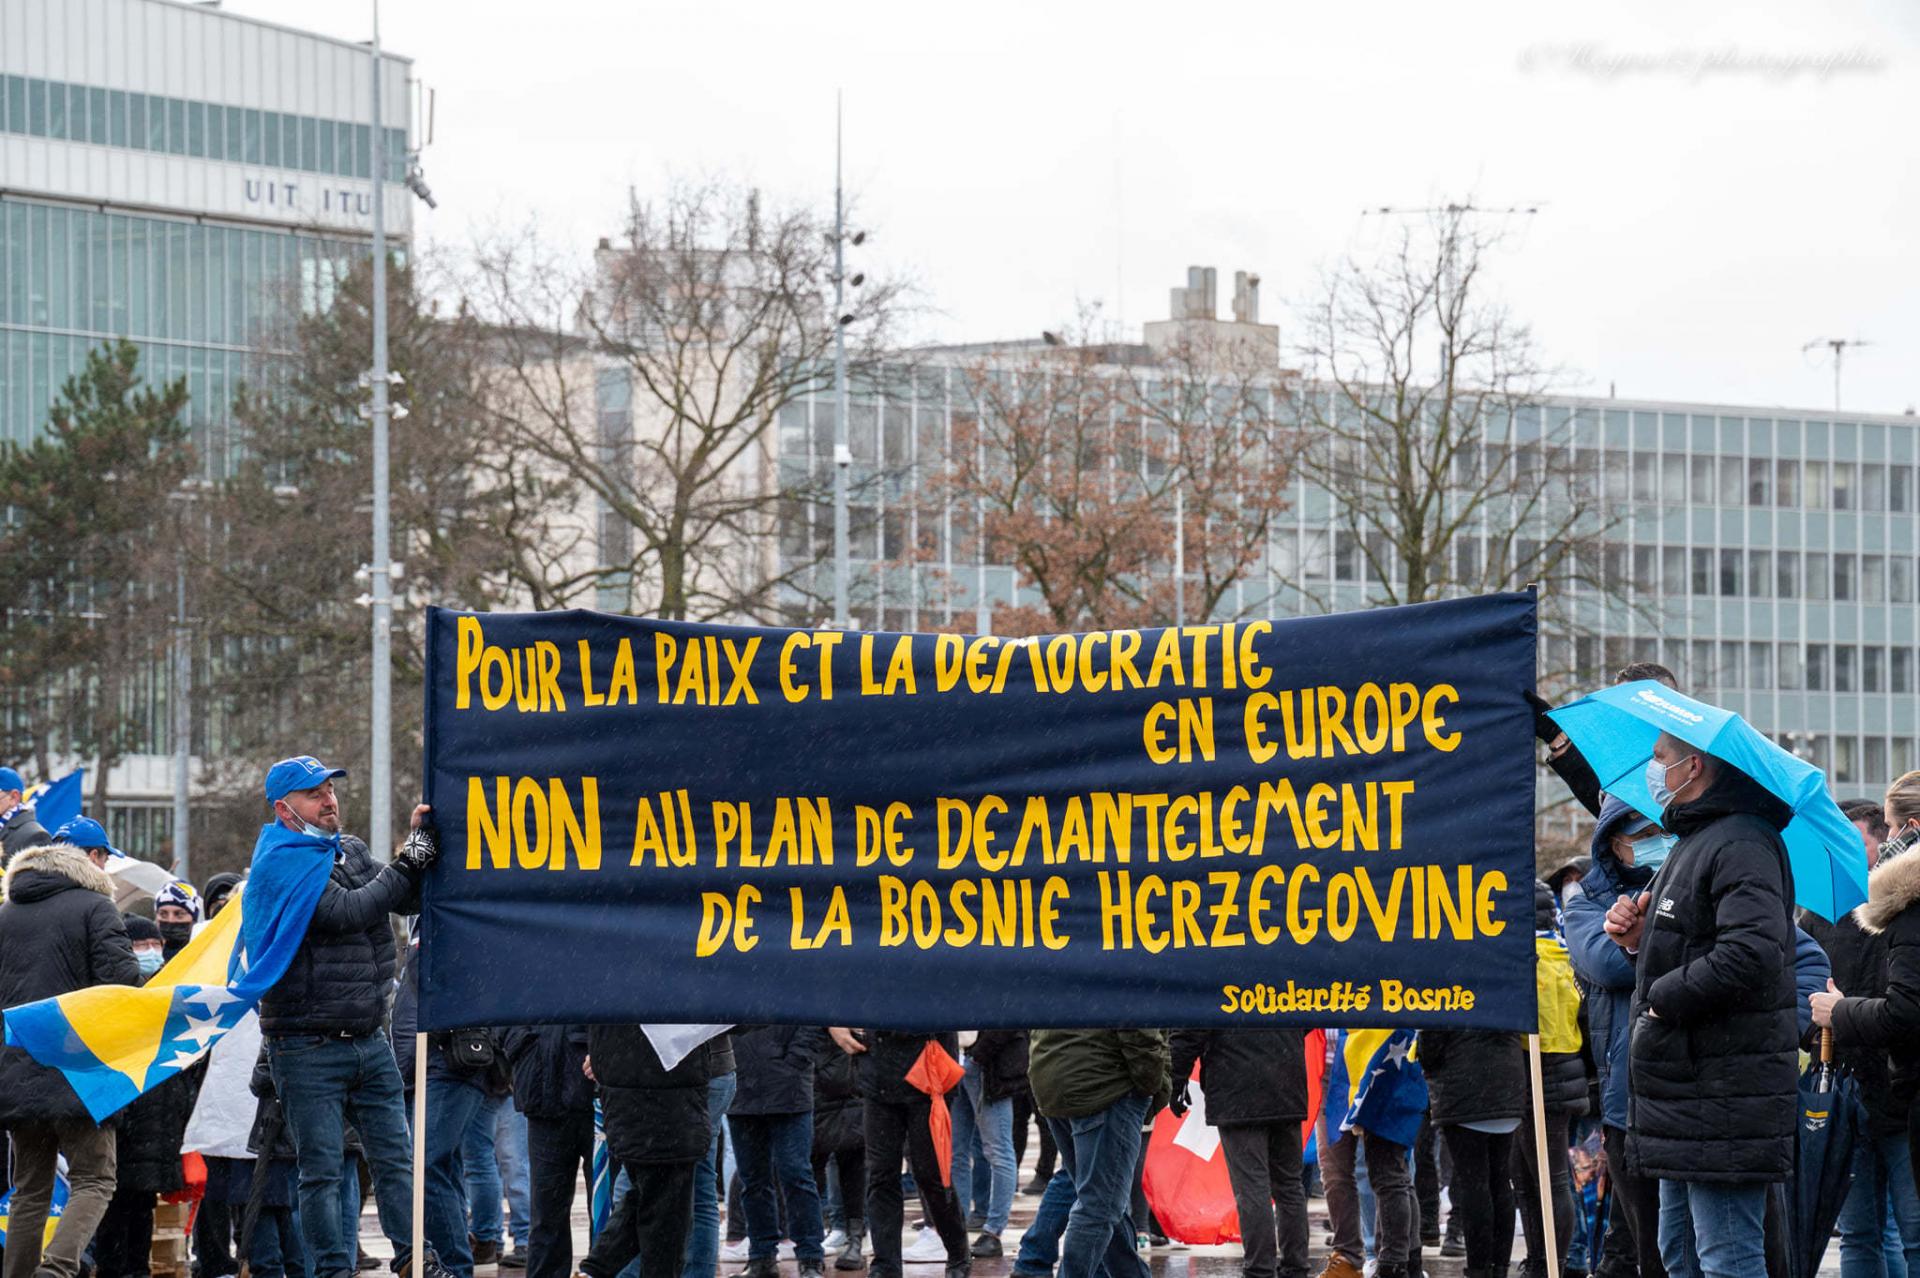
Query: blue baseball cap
{"x": 302, "y": 772}
{"x": 11, "y": 780}
{"x": 85, "y": 832}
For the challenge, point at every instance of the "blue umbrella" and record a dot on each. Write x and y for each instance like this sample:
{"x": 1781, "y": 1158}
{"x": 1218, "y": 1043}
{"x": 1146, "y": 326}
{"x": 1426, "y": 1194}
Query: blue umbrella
{"x": 1616, "y": 727}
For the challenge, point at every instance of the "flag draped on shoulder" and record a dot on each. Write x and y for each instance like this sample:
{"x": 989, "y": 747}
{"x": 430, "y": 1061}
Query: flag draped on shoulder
{"x": 1377, "y": 1084}
{"x": 115, "y": 1042}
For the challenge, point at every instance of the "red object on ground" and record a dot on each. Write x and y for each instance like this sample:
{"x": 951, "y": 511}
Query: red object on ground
{"x": 1186, "y": 1178}
{"x": 936, "y": 1074}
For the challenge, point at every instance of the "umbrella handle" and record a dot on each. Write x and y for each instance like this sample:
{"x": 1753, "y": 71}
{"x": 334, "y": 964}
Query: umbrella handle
{"x": 1826, "y": 1045}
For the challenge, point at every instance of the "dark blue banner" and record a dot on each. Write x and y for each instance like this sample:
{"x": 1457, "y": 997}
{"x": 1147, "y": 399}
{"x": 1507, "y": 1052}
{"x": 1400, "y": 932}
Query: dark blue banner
{"x": 1323, "y": 821}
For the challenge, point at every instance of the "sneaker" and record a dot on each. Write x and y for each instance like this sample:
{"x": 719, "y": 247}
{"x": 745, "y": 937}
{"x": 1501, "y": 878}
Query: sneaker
{"x": 987, "y": 1246}
{"x": 434, "y": 1268}
{"x": 835, "y": 1241}
{"x": 486, "y": 1253}
{"x": 515, "y": 1259}
{"x": 734, "y": 1251}
{"x": 926, "y": 1249}
{"x": 812, "y": 1269}
{"x": 785, "y": 1250}
{"x": 1038, "y": 1185}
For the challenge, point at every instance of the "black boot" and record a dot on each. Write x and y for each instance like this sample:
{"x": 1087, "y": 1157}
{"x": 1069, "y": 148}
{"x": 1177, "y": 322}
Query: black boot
{"x": 1455, "y": 1243}
{"x": 851, "y": 1258}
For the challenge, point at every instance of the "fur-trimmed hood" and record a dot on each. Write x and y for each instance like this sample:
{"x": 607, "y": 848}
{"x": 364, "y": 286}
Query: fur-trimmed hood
{"x": 56, "y": 861}
{"x": 1891, "y": 888}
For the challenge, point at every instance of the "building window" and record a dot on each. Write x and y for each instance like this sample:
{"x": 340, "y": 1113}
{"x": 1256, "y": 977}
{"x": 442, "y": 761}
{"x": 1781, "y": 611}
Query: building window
{"x": 1702, "y": 571}
{"x": 1845, "y": 676}
{"x": 1673, "y": 570}
{"x": 1873, "y": 578}
{"x": 1817, "y": 575}
{"x": 1846, "y": 577}
{"x": 1846, "y": 760}
{"x": 1845, "y": 490}
{"x": 1873, "y": 486}
{"x": 1876, "y": 760}
{"x": 1702, "y": 487}
{"x": 1733, "y": 485}
{"x": 1729, "y": 573}
{"x": 1787, "y": 574}
{"x": 1816, "y": 485}
{"x": 1759, "y": 573}
{"x": 1817, "y": 667}
{"x": 1791, "y": 671}
{"x": 1728, "y": 674}
{"x": 1901, "y": 748}
{"x": 1346, "y": 556}
{"x": 1673, "y": 479}
{"x": 1646, "y": 569}
{"x": 1900, "y": 488}
{"x": 1701, "y": 663}
{"x": 1899, "y": 579}
{"x": 1900, "y": 670}
{"x": 1786, "y": 485}
{"x": 1760, "y": 665}
{"x": 1759, "y": 485}
{"x": 1645, "y": 479}
{"x": 1873, "y": 668}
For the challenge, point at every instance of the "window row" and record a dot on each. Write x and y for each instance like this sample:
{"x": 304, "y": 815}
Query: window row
{"x": 1704, "y": 572}
{"x": 1851, "y": 760}
{"x": 203, "y": 130}
{"x": 1758, "y": 665}
{"x": 1672, "y": 480}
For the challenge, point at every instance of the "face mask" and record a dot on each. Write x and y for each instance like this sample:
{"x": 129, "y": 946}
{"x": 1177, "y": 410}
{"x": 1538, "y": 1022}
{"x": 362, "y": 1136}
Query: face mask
{"x": 149, "y": 961}
{"x": 1648, "y": 853}
{"x": 1657, "y": 781}
{"x": 176, "y": 934}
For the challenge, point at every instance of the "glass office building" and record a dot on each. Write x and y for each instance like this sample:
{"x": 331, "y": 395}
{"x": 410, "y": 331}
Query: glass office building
{"x": 1772, "y": 554}
{"x": 185, "y": 178}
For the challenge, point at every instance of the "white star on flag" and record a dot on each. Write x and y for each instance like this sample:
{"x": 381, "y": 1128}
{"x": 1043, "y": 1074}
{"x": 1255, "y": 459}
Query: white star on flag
{"x": 211, "y": 997}
{"x": 1398, "y": 1052}
{"x": 202, "y": 1031}
{"x": 182, "y": 1059}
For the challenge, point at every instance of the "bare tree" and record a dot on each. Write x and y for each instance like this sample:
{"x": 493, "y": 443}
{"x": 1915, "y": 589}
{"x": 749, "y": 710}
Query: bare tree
{"x": 1427, "y": 420}
{"x": 652, "y": 382}
{"x": 1083, "y": 465}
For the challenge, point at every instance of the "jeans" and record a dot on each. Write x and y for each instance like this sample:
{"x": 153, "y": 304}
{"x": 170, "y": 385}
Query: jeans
{"x": 1882, "y": 1195}
{"x": 275, "y": 1250}
{"x": 451, "y": 1107}
{"x": 559, "y": 1151}
{"x": 1482, "y": 1190}
{"x": 1712, "y": 1230}
{"x": 703, "y": 1243}
{"x": 894, "y": 1130}
{"x": 1263, "y": 1165}
{"x": 993, "y": 1121}
{"x": 1040, "y": 1244}
{"x": 92, "y": 1170}
{"x": 1390, "y": 1173}
{"x": 323, "y": 1083}
{"x": 479, "y": 1159}
{"x": 1098, "y": 1151}
{"x": 776, "y": 1160}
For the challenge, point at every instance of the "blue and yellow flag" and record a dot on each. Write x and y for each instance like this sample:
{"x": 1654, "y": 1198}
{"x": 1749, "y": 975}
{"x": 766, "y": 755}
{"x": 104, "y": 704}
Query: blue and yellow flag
{"x": 114, "y": 1042}
{"x": 1377, "y": 1077}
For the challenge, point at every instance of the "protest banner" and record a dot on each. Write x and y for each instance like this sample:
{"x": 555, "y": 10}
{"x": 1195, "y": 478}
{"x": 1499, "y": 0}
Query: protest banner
{"x": 1319, "y": 821}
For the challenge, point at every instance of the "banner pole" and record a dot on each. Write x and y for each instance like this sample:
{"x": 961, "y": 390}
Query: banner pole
{"x": 419, "y": 1150}
{"x": 1541, "y": 1166}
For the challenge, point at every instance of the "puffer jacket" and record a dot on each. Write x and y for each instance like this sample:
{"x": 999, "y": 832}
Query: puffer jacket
{"x": 1860, "y": 969}
{"x": 1605, "y": 970}
{"x": 342, "y": 974}
{"x": 59, "y": 932}
{"x": 837, "y": 1111}
{"x": 1715, "y": 1046}
{"x": 1474, "y": 1076}
{"x": 22, "y": 830}
{"x": 1247, "y": 1075}
{"x": 653, "y": 1115}
{"x": 545, "y": 1061}
{"x": 776, "y": 1064}
{"x": 1003, "y": 1062}
{"x": 1889, "y": 1021}
{"x": 889, "y": 1055}
{"x": 1078, "y": 1072}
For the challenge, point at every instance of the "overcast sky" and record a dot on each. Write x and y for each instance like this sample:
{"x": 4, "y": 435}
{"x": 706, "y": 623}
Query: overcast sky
{"x": 1715, "y": 190}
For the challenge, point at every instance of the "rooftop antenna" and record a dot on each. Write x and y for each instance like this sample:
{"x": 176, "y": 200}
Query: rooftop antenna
{"x": 1838, "y": 345}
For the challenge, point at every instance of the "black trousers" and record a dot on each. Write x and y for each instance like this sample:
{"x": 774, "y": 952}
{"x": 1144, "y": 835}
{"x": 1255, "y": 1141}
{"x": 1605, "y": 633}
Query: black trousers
{"x": 1482, "y": 1192}
{"x": 896, "y": 1131}
{"x": 1636, "y": 1200}
{"x": 1526, "y": 1180}
{"x": 651, "y": 1222}
{"x": 1023, "y": 1114}
{"x": 214, "y": 1227}
{"x": 852, "y": 1163}
{"x": 123, "y": 1245}
{"x": 1263, "y": 1165}
{"x": 558, "y": 1150}
{"x": 1426, "y": 1180}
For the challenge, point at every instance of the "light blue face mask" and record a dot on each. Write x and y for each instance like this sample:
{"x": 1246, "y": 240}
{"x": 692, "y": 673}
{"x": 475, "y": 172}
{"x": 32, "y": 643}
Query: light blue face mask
{"x": 1657, "y": 781}
{"x": 1650, "y": 852}
{"x": 150, "y": 961}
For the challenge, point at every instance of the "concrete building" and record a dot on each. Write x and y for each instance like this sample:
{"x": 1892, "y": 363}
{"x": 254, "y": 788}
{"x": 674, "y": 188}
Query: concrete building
{"x": 1774, "y": 552}
{"x": 180, "y": 176}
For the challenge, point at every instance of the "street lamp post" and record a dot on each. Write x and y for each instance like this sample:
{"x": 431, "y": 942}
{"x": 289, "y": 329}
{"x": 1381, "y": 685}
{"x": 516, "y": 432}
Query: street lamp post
{"x": 842, "y": 454}
{"x": 380, "y": 813}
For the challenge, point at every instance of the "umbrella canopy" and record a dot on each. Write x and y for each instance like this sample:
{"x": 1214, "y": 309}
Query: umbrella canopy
{"x": 1616, "y": 728}
{"x": 135, "y": 882}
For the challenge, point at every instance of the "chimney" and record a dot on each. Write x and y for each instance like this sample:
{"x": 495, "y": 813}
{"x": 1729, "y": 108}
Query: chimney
{"x": 1197, "y": 300}
{"x": 1246, "y": 298}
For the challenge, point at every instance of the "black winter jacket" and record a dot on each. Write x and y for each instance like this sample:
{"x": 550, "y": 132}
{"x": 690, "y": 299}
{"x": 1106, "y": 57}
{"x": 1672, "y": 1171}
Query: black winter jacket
{"x": 1474, "y": 1076}
{"x": 59, "y": 932}
{"x": 1715, "y": 1042}
{"x": 1891, "y": 1021}
{"x": 775, "y": 1064}
{"x": 1003, "y": 1062}
{"x": 1859, "y": 960}
{"x": 22, "y": 832}
{"x": 884, "y": 1065}
{"x": 342, "y": 974}
{"x": 547, "y": 1079}
{"x": 1248, "y": 1075}
{"x": 653, "y": 1115}
{"x": 837, "y": 1111}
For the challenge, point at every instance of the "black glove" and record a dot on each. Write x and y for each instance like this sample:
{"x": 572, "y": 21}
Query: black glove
{"x": 1178, "y": 1102}
{"x": 1544, "y": 728}
{"x": 420, "y": 850}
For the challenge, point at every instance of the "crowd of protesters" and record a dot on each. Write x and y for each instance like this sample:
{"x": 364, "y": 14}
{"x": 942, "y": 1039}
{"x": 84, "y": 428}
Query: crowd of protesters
{"x": 1688, "y": 984}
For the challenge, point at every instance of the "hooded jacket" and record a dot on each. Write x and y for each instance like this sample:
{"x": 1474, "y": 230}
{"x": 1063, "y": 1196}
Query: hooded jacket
{"x": 653, "y": 1115}
{"x": 1714, "y": 1048}
{"x": 1563, "y": 1075}
{"x": 1003, "y": 1063}
{"x": 1889, "y": 1021}
{"x": 342, "y": 974}
{"x": 1247, "y": 1075}
{"x": 548, "y": 1082}
{"x": 1079, "y": 1072}
{"x": 1605, "y": 970}
{"x": 59, "y": 932}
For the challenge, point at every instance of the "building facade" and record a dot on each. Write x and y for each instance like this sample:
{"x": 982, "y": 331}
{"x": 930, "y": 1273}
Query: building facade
{"x": 185, "y": 178}
{"x": 1769, "y": 556}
